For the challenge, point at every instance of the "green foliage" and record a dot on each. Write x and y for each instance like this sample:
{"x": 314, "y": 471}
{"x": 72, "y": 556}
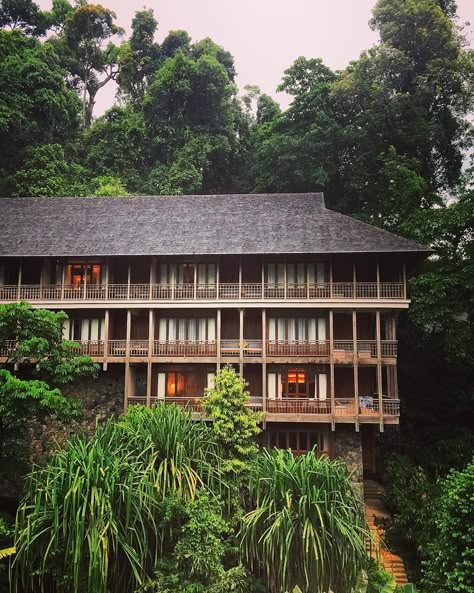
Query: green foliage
{"x": 32, "y": 340}
{"x": 449, "y": 567}
{"x": 306, "y": 524}
{"x": 235, "y": 425}
{"x": 104, "y": 510}
{"x": 107, "y": 185}
{"x": 377, "y": 578}
{"x": 47, "y": 171}
{"x": 36, "y": 106}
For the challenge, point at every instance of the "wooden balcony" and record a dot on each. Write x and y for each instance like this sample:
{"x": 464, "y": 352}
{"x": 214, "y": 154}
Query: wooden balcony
{"x": 136, "y": 293}
{"x": 299, "y": 409}
{"x": 251, "y": 349}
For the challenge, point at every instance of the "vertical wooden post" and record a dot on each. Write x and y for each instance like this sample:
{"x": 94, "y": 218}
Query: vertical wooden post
{"x": 285, "y": 281}
{"x": 129, "y": 272}
{"x": 354, "y": 280}
{"x": 330, "y": 280}
{"x": 106, "y": 337}
{"x": 62, "y": 280}
{"x": 20, "y": 269}
{"x": 356, "y": 369}
{"x": 240, "y": 277}
{"x": 379, "y": 368}
{"x": 127, "y": 357}
{"x": 107, "y": 278}
{"x": 218, "y": 277}
{"x": 195, "y": 279}
{"x": 404, "y": 280}
{"x": 152, "y": 275}
{"x": 151, "y": 338}
{"x": 263, "y": 277}
{"x": 85, "y": 279}
{"x": 241, "y": 342}
{"x": 378, "y": 278}
{"x": 218, "y": 338}
{"x": 264, "y": 360}
{"x": 331, "y": 365}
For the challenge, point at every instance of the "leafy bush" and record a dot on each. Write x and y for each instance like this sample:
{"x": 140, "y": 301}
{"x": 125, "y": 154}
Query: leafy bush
{"x": 306, "y": 525}
{"x": 450, "y": 564}
{"x": 102, "y": 511}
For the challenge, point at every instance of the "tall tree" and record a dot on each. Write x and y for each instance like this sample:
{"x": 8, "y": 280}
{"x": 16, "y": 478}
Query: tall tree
{"x": 36, "y": 106}
{"x": 88, "y": 53}
{"x": 139, "y": 56}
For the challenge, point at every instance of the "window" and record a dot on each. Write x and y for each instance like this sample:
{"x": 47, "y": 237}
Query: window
{"x": 181, "y": 384}
{"x": 297, "y": 329}
{"x": 192, "y": 330}
{"x": 186, "y": 273}
{"x": 297, "y": 275}
{"x": 297, "y": 384}
{"x": 78, "y": 274}
{"x": 299, "y": 441}
{"x": 84, "y": 329}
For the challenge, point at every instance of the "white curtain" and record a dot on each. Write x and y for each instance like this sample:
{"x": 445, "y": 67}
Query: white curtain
{"x": 191, "y": 329}
{"x": 67, "y": 329}
{"x": 301, "y": 276}
{"x": 172, "y": 329}
{"x": 161, "y": 385}
{"x": 211, "y": 329}
{"x": 322, "y": 385}
{"x": 302, "y": 330}
{"x": 271, "y": 385}
{"x": 290, "y": 273}
{"x": 320, "y": 276}
{"x": 162, "y": 330}
{"x": 271, "y": 329}
{"x": 321, "y": 329}
{"x": 312, "y": 330}
{"x": 271, "y": 273}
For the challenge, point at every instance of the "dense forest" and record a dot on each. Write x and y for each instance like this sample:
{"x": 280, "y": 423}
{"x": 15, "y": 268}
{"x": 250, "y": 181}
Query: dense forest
{"x": 387, "y": 139}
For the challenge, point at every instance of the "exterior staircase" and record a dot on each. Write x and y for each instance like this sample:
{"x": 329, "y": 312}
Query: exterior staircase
{"x": 375, "y": 507}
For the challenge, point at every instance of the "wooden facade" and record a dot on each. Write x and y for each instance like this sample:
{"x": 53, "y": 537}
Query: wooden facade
{"x": 314, "y": 337}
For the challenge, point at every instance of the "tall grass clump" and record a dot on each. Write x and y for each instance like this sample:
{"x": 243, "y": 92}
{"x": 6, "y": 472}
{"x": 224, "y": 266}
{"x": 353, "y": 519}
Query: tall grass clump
{"x": 306, "y": 525}
{"x": 92, "y": 519}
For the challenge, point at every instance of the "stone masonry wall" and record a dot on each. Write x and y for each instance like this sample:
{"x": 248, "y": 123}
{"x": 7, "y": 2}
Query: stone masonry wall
{"x": 101, "y": 398}
{"x": 348, "y": 446}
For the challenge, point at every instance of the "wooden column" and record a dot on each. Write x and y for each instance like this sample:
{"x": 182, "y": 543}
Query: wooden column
{"x": 378, "y": 278}
{"x": 263, "y": 278}
{"x": 85, "y": 281}
{"x": 107, "y": 278}
{"x": 62, "y": 280}
{"x": 127, "y": 358}
{"x": 331, "y": 369}
{"x": 404, "y": 280}
{"x": 195, "y": 279}
{"x": 240, "y": 277}
{"x": 151, "y": 339}
{"x": 218, "y": 277}
{"x": 285, "y": 280}
{"x": 330, "y": 280}
{"x": 129, "y": 273}
{"x": 379, "y": 368}
{"x": 152, "y": 275}
{"x": 354, "y": 280}
{"x": 264, "y": 359}
{"x": 218, "y": 338}
{"x": 356, "y": 369}
{"x": 19, "y": 281}
{"x": 106, "y": 337}
{"x": 241, "y": 342}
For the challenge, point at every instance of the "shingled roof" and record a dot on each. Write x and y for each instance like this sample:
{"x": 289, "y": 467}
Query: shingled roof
{"x": 186, "y": 225}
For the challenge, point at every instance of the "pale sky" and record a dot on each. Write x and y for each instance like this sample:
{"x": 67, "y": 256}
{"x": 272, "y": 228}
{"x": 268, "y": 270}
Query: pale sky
{"x": 265, "y": 36}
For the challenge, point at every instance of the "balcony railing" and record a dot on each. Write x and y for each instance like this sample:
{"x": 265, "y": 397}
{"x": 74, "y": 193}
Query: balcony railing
{"x": 298, "y": 406}
{"x": 204, "y": 292}
{"x": 343, "y": 350}
{"x": 185, "y": 348}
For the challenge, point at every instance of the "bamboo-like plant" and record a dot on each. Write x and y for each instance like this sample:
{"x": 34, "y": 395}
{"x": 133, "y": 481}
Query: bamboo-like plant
{"x": 306, "y": 527}
{"x": 91, "y": 519}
